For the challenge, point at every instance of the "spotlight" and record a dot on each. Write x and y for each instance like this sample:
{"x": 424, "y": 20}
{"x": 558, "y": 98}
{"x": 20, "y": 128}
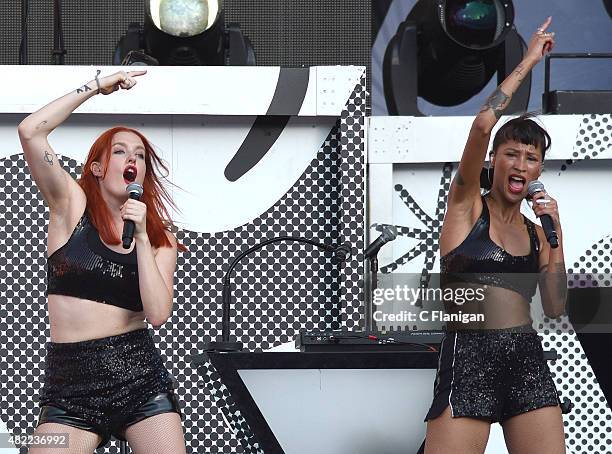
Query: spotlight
{"x": 183, "y": 18}
{"x": 446, "y": 51}
{"x": 184, "y": 32}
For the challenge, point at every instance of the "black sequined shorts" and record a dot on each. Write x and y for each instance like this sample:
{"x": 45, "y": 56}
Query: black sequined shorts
{"x": 105, "y": 385}
{"x": 493, "y": 374}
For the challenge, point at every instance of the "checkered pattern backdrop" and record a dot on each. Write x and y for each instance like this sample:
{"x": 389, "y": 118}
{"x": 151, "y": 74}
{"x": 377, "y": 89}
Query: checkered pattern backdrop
{"x": 277, "y": 291}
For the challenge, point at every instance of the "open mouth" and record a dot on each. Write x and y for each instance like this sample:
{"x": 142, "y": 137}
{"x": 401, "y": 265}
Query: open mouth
{"x": 129, "y": 174}
{"x": 516, "y": 184}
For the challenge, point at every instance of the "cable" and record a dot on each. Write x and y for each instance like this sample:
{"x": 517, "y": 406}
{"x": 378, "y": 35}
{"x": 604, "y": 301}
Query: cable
{"x": 23, "y": 45}
{"x": 58, "y": 35}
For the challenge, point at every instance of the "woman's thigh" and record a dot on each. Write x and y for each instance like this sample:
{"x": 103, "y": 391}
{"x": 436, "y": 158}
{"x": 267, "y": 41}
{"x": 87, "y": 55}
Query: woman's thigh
{"x": 162, "y": 434}
{"x": 79, "y": 441}
{"x": 535, "y": 431}
{"x": 463, "y": 435}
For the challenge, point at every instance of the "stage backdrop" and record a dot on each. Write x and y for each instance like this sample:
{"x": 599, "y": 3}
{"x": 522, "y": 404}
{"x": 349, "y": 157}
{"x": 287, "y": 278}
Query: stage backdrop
{"x": 256, "y": 153}
{"x": 411, "y": 163}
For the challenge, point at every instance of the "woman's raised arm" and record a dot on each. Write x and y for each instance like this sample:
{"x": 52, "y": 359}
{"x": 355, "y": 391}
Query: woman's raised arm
{"x": 55, "y": 184}
{"x": 466, "y": 184}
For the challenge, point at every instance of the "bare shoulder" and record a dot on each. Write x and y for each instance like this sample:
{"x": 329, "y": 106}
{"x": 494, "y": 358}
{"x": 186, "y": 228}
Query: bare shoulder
{"x": 168, "y": 249}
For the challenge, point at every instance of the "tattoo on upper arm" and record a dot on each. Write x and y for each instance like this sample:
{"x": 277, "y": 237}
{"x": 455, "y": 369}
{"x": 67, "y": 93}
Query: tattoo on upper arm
{"x": 83, "y": 89}
{"x": 48, "y": 158}
{"x": 42, "y": 123}
{"x": 497, "y": 102}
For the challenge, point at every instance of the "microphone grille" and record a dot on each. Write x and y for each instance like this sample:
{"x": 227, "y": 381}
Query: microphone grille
{"x": 534, "y": 187}
{"x": 134, "y": 188}
{"x": 389, "y": 232}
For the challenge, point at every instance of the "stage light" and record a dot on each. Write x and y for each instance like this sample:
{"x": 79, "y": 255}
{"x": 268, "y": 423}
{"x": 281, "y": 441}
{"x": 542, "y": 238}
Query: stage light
{"x": 183, "y": 18}
{"x": 184, "y": 32}
{"x": 446, "y": 51}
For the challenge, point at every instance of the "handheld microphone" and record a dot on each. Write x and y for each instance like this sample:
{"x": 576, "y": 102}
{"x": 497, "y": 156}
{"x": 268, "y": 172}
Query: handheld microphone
{"x": 135, "y": 190}
{"x": 388, "y": 234}
{"x": 547, "y": 224}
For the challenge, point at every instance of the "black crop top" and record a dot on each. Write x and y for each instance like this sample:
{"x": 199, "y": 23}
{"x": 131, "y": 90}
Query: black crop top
{"x": 479, "y": 260}
{"x": 85, "y": 268}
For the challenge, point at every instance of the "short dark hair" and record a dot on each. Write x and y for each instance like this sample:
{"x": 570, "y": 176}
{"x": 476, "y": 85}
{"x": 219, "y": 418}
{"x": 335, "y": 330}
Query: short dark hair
{"x": 523, "y": 130}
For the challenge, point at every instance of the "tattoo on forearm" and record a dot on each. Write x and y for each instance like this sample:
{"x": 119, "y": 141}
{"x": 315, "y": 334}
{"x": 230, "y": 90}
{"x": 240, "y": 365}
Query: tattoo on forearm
{"x": 519, "y": 72}
{"x": 83, "y": 89}
{"x": 459, "y": 180}
{"x": 48, "y": 158}
{"x": 42, "y": 123}
{"x": 497, "y": 102}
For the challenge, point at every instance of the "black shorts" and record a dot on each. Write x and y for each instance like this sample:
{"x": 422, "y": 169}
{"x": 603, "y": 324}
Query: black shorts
{"x": 105, "y": 385}
{"x": 493, "y": 374}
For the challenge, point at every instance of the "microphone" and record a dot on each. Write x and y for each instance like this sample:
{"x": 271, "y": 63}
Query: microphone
{"x": 135, "y": 190}
{"x": 547, "y": 223}
{"x": 388, "y": 234}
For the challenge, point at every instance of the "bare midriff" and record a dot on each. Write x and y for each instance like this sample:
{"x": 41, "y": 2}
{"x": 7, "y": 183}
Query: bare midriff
{"x": 75, "y": 319}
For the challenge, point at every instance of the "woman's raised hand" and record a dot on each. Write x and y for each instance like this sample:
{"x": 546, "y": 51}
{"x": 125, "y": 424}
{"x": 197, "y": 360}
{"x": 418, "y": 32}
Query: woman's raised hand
{"x": 121, "y": 79}
{"x": 542, "y": 42}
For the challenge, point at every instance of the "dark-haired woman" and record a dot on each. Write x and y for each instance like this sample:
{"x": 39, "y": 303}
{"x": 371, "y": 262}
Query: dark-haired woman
{"x": 493, "y": 370}
{"x": 103, "y": 374}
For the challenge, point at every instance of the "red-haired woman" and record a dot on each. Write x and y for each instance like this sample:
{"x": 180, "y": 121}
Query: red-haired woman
{"x": 103, "y": 374}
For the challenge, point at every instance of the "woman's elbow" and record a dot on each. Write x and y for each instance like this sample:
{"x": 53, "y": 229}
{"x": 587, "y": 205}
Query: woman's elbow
{"x": 157, "y": 320}
{"x": 25, "y": 131}
{"x": 482, "y": 125}
{"x": 555, "y": 312}
{"x": 553, "y": 315}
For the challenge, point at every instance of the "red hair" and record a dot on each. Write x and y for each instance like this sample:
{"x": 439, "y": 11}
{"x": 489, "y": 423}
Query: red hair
{"x": 154, "y": 194}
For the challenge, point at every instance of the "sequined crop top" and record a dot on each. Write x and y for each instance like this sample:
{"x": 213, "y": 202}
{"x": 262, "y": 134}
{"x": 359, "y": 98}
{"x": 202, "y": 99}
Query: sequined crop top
{"x": 85, "y": 268}
{"x": 479, "y": 260}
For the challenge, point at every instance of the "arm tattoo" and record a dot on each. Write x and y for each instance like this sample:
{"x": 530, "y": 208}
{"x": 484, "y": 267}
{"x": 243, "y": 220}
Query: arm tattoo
{"x": 48, "y": 158}
{"x": 497, "y": 102}
{"x": 42, "y": 123}
{"x": 83, "y": 89}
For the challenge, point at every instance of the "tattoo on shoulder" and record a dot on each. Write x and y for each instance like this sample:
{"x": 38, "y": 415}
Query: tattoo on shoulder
{"x": 83, "y": 89}
{"x": 48, "y": 158}
{"x": 497, "y": 102}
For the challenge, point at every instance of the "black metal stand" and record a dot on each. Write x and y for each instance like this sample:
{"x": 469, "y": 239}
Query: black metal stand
{"x": 227, "y": 345}
{"x": 123, "y": 449}
{"x": 369, "y": 321}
